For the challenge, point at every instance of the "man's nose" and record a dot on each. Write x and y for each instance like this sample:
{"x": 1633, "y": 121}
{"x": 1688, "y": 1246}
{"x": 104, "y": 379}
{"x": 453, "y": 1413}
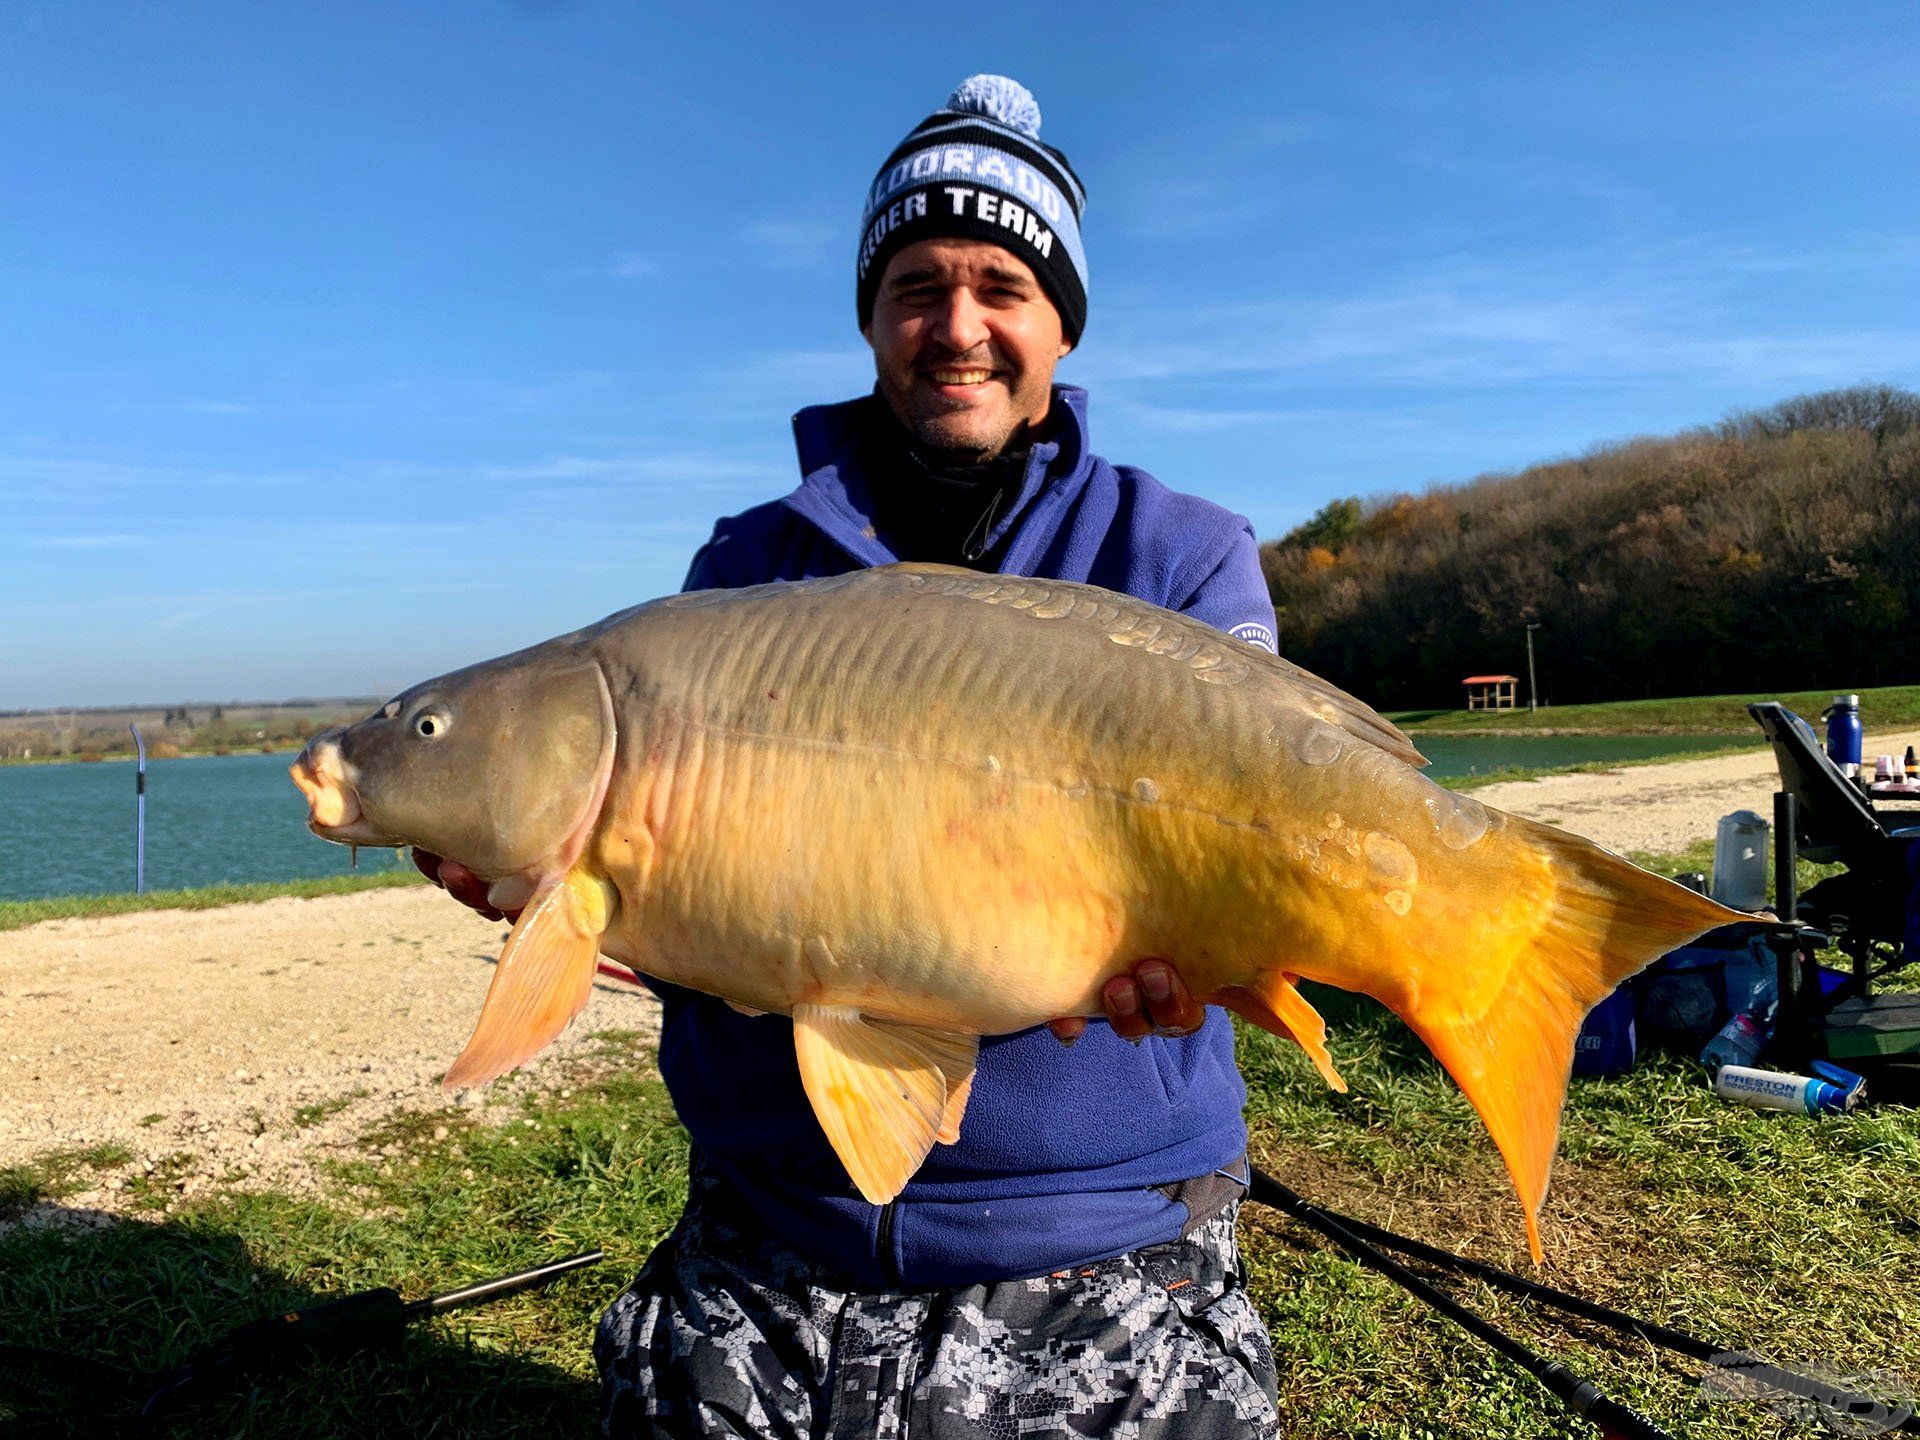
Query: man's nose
{"x": 960, "y": 323}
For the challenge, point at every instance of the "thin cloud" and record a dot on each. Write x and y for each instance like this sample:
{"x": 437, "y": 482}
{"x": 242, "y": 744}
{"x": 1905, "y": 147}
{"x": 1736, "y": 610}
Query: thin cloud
{"x": 1677, "y": 311}
{"x": 794, "y": 243}
{"x": 631, "y": 265}
{"x": 89, "y": 542}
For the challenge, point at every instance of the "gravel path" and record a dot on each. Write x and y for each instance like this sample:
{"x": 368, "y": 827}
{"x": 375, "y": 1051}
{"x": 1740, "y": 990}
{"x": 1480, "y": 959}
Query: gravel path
{"x": 255, "y": 1039}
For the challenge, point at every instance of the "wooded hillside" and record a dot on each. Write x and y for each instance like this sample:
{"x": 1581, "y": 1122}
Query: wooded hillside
{"x": 1777, "y": 550}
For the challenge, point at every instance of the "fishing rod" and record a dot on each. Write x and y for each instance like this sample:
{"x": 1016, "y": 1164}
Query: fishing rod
{"x": 1611, "y": 1418}
{"x": 1853, "y": 1406}
{"x": 1358, "y": 1239}
{"x": 360, "y": 1321}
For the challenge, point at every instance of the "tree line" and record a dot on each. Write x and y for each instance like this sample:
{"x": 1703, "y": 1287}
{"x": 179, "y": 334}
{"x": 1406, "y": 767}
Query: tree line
{"x": 1778, "y": 549}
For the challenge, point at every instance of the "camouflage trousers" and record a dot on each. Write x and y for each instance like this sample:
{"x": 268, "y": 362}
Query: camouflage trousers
{"x": 725, "y": 1334}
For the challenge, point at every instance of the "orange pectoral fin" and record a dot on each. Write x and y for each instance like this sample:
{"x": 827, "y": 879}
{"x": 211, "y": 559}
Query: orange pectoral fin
{"x": 542, "y": 981}
{"x": 1273, "y": 1004}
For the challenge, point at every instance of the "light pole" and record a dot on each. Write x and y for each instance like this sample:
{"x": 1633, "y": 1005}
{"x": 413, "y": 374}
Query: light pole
{"x": 1532, "y": 625}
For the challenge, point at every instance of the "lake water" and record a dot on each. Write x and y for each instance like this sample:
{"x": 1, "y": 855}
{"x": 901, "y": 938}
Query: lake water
{"x": 68, "y": 829}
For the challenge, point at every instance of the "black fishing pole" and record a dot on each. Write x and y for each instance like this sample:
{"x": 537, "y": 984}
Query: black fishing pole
{"x": 1354, "y": 1236}
{"x": 1611, "y": 1418}
{"x": 361, "y": 1321}
{"x": 1861, "y": 1408}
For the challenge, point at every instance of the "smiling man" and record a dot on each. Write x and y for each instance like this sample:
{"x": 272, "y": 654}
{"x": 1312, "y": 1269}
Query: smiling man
{"x": 1068, "y": 1267}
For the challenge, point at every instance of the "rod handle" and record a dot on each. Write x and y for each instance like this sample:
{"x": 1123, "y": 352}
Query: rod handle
{"x": 1623, "y": 1422}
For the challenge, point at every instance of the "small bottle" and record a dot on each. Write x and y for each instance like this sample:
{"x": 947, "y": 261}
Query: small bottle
{"x": 1796, "y": 1094}
{"x": 1843, "y": 734}
{"x": 1738, "y": 1043}
{"x": 1913, "y": 765}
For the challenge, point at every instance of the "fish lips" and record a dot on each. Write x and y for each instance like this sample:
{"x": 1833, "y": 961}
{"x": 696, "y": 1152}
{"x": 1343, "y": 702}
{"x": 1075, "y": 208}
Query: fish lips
{"x": 333, "y": 805}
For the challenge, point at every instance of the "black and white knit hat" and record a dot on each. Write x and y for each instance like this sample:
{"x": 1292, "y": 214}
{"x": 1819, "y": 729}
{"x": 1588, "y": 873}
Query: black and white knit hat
{"x": 977, "y": 170}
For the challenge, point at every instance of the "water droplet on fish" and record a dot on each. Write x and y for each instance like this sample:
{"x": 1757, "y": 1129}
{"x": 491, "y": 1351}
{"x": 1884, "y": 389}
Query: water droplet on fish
{"x": 1391, "y": 861}
{"x": 992, "y": 764}
{"x": 1321, "y": 745}
{"x": 1334, "y": 822}
{"x": 1145, "y": 790}
{"x": 1399, "y": 901}
{"x": 353, "y": 857}
{"x": 1463, "y": 822}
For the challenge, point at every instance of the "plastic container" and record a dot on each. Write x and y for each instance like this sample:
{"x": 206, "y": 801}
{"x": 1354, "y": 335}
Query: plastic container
{"x": 1753, "y": 980}
{"x": 1838, "y": 1092}
{"x": 1740, "y": 861}
{"x": 1739, "y": 1043}
{"x": 1843, "y": 734}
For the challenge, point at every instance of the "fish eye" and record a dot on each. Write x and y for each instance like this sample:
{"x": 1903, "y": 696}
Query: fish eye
{"x": 430, "y": 724}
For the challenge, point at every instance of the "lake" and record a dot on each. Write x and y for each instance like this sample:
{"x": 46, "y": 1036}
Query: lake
{"x": 68, "y": 829}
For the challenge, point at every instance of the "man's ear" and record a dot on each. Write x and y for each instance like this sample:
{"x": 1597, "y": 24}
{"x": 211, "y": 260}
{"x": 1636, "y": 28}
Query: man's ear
{"x": 1066, "y": 349}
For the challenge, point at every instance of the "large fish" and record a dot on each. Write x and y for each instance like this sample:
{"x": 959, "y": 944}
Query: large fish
{"x": 916, "y": 805}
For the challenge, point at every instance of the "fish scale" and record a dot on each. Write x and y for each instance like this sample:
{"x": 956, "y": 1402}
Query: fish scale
{"x": 916, "y": 805}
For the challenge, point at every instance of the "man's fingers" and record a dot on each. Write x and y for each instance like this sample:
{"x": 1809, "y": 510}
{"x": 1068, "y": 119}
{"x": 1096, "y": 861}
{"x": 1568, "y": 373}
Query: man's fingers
{"x": 428, "y": 864}
{"x": 1170, "y": 1005}
{"x": 1124, "y": 1011}
{"x": 468, "y": 888}
{"x": 1068, "y": 1029}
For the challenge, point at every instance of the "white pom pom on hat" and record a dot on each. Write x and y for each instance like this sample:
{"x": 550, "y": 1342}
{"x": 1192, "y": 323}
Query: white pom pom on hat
{"x": 998, "y": 98}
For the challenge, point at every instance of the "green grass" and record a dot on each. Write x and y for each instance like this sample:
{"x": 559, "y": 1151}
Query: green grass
{"x": 603, "y": 1168}
{"x": 16, "y": 913}
{"x": 1588, "y": 767}
{"x": 1891, "y": 707}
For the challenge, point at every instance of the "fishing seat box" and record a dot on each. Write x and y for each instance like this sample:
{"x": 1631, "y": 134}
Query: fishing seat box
{"x": 1879, "y": 1037}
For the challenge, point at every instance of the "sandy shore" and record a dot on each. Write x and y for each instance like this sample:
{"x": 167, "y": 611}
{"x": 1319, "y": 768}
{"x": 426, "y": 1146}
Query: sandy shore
{"x": 256, "y": 1040}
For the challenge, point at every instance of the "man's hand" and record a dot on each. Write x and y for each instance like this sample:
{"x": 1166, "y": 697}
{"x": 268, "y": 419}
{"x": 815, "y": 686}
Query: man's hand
{"x": 461, "y": 883}
{"x": 1151, "y": 1000}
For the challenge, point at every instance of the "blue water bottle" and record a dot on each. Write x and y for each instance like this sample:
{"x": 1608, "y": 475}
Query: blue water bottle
{"x": 1843, "y": 734}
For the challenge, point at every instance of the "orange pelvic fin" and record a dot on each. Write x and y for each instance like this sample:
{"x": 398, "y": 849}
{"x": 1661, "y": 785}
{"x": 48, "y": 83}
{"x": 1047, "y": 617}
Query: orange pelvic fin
{"x": 883, "y": 1092}
{"x": 542, "y": 980}
{"x": 1272, "y": 1003}
{"x": 1507, "y": 1038}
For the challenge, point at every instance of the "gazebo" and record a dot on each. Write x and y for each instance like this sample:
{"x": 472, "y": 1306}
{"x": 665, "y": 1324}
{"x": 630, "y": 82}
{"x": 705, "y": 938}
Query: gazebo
{"x": 1490, "y": 692}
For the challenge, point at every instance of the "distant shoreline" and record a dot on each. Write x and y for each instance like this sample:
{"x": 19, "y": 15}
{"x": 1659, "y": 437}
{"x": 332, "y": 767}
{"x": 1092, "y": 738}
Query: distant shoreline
{"x": 120, "y": 756}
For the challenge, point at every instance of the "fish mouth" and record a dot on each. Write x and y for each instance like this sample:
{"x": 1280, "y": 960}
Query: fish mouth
{"x": 333, "y": 805}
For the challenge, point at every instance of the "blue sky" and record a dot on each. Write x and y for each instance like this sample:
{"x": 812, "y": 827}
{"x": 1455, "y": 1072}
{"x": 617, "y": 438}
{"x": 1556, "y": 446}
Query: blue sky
{"x": 343, "y": 344}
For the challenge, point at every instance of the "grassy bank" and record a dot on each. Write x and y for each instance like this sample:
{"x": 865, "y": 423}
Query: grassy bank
{"x": 1731, "y": 1223}
{"x": 1588, "y": 767}
{"x": 16, "y": 913}
{"x": 1892, "y": 707}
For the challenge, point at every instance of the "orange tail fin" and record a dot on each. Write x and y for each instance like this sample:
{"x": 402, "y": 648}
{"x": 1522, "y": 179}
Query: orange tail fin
{"x": 1534, "y": 929}
{"x": 1508, "y": 1042}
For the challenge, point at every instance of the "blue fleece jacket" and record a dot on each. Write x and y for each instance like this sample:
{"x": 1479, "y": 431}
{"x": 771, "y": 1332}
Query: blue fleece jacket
{"x": 1061, "y": 1150}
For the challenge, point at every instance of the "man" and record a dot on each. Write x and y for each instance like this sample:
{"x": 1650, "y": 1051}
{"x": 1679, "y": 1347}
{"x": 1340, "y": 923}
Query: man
{"x": 1068, "y": 1266}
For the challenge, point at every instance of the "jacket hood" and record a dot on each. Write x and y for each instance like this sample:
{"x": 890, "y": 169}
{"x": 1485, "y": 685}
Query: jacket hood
{"x": 833, "y": 491}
